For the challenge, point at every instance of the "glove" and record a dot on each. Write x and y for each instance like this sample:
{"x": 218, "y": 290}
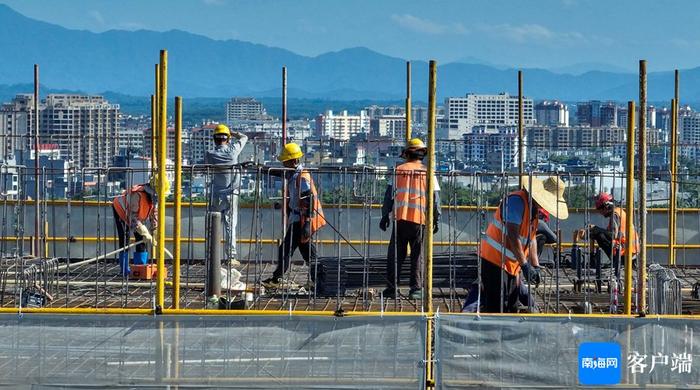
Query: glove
{"x": 436, "y": 227}
{"x": 531, "y": 274}
{"x": 143, "y": 232}
{"x": 384, "y": 223}
{"x": 306, "y": 230}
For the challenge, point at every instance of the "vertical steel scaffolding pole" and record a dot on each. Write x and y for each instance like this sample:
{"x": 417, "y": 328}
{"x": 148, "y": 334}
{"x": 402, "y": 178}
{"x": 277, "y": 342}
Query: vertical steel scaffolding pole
{"x": 162, "y": 151}
{"x": 284, "y": 142}
{"x": 178, "y": 202}
{"x": 642, "y": 129}
{"x": 37, "y": 218}
{"x": 673, "y": 201}
{"x": 432, "y": 82}
{"x": 629, "y": 197}
{"x": 408, "y": 101}
{"x": 284, "y": 104}
{"x": 521, "y": 128}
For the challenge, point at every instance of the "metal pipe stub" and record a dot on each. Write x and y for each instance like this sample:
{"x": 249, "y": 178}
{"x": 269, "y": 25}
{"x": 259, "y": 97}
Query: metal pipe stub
{"x": 214, "y": 251}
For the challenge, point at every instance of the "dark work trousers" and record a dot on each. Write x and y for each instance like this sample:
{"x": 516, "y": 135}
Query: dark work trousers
{"x": 491, "y": 280}
{"x": 406, "y": 233}
{"x": 123, "y": 232}
{"x": 603, "y": 238}
{"x": 292, "y": 241}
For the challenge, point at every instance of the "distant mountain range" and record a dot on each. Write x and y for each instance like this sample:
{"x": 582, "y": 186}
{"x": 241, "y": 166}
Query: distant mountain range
{"x": 123, "y": 62}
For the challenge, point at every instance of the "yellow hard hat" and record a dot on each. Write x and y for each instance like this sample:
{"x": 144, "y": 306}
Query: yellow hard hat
{"x": 154, "y": 184}
{"x": 291, "y": 151}
{"x": 415, "y": 144}
{"x": 222, "y": 130}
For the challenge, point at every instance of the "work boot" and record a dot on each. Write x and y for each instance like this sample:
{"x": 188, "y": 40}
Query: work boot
{"x": 272, "y": 282}
{"x": 416, "y": 293}
{"x": 389, "y": 293}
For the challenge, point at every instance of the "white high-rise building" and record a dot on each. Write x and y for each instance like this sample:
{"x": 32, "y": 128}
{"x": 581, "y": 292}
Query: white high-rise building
{"x": 84, "y": 127}
{"x": 15, "y": 125}
{"x": 462, "y": 114}
{"x": 552, "y": 113}
{"x": 388, "y": 126}
{"x": 244, "y": 108}
{"x": 343, "y": 126}
{"x": 495, "y": 148}
{"x": 689, "y": 125}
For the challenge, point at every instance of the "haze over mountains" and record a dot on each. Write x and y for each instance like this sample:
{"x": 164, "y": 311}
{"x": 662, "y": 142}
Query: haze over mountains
{"x": 123, "y": 62}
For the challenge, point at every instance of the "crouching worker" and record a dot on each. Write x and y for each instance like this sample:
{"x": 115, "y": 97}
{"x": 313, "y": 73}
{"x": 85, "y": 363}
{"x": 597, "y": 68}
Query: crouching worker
{"x": 408, "y": 202}
{"x": 305, "y": 214}
{"x": 131, "y": 209}
{"x": 612, "y": 240}
{"x": 510, "y": 243}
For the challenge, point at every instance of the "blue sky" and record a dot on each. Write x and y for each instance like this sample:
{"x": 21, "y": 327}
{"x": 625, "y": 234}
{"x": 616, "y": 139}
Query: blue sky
{"x": 515, "y": 33}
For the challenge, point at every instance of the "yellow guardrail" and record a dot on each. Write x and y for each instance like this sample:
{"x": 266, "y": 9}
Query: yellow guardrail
{"x": 271, "y": 241}
{"x": 185, "y": 203}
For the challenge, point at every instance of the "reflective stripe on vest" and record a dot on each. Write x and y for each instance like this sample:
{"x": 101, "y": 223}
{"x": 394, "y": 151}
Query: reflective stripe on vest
{"x": 121, "y": 204}
{"x": 620, "y": 242}
{"x": 409, "y": 196}
{"x": 315, "y": 215}
{"x": 493, "y": 248}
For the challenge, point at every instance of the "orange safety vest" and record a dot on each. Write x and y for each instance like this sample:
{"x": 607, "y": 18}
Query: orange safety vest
{"x": 411, "y": 186}
{"x": 621, "y": 243}
{"x": 493, "y": 247}
{"x": 121, "y": 203}
{"x": 317, "y": 219}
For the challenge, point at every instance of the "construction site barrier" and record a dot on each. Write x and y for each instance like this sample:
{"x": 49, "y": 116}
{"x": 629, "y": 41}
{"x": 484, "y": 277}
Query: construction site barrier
{"x": 246, "y": 351}
{"x": 543, "y": 351}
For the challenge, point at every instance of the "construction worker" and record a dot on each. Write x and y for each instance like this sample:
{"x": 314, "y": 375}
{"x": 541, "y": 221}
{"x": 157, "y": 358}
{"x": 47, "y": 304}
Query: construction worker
{"x": 305, "y": 214}
{"x": 407, "y": 200}
{"x": 545, "y": 235}
{"x": 510, "y": 242}
{"x": 131, "y": 209}
{"x": 225, "y": 184}
{"x": 612, "y": 240}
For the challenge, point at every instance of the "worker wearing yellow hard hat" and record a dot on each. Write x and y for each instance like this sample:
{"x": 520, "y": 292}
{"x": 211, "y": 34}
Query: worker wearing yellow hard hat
{"x": 305, "y": 214}
{"x": 406, "y": 199}
{"x": 226, "y": 183}
{"x": 131, "y": 209}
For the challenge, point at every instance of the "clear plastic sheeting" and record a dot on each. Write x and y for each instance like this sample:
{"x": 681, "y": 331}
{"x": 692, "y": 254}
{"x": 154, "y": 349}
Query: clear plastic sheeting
{"x": 501, "y": 351}
{"x": 213, "y": 351}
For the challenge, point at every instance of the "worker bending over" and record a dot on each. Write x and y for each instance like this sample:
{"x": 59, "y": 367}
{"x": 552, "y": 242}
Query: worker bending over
{"x": 131, "y": 209}
{"x": 510, "y": 242}
{"x": 225, "y": 184}
{"x": 305, "y": 214}
{"x": 612, "y": 240}
{"x": 407, "y": 200}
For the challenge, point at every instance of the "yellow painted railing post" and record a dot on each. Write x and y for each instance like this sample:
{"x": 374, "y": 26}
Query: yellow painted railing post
{"x": 162, "y": 152}
{"x": 408, "y": 101}
{"x": 629, "y": 198}
{"x": 178, "y": 202}
{"x": 672, "y": 185}
{"x": 432, "y": 82}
